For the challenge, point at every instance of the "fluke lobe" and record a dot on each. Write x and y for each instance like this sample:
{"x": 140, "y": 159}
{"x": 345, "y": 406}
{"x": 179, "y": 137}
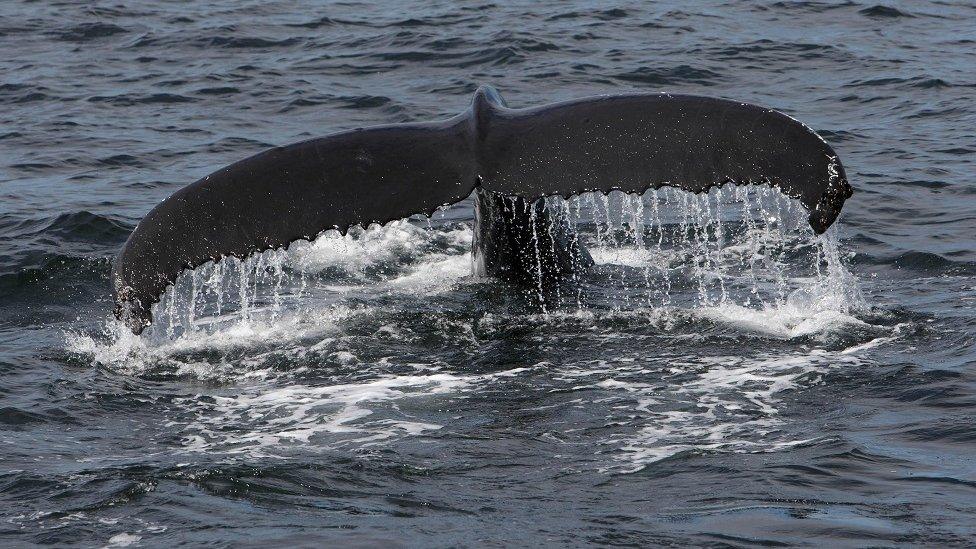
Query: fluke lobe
{"x": 631, "y": 142}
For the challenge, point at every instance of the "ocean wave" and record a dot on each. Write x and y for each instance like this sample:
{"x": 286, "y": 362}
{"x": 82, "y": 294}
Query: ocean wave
{"x": 396, "y": 387}
{"x": 75, "y": 226}
{"x": 884, "y": 12}
{"x": 84, "y": 32}
{"x": 918, "y": 262}
{"x": 667, "y": 76}
{"x": 128, "y": 100}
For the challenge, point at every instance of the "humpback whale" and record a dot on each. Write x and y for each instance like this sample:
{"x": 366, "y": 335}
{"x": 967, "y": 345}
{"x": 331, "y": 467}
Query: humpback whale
{"x": 509, "y": 158}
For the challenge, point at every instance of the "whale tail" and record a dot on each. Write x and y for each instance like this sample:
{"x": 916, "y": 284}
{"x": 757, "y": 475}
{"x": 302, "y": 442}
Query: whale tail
{"x": 629, "y": 142}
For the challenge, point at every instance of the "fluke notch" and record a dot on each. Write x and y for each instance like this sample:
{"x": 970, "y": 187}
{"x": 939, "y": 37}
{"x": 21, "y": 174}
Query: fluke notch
{"x": 631, "y": 142}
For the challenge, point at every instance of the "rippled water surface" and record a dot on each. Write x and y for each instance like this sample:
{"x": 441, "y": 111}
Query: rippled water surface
{"x": 721, "y": 378}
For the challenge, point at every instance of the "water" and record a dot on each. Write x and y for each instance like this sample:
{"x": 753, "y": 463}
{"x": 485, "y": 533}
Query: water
{"x": 722, "y": 377}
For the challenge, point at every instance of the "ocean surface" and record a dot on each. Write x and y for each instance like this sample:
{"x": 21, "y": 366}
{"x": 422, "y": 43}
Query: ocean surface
{"x": 721, "y": 378}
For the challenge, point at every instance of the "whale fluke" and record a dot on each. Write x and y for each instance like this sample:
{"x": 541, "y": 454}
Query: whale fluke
{"x": 631, "y": 143}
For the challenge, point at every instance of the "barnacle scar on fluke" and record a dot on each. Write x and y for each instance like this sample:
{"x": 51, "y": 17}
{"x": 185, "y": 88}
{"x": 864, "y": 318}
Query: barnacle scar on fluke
{"x": 509, "y": 157}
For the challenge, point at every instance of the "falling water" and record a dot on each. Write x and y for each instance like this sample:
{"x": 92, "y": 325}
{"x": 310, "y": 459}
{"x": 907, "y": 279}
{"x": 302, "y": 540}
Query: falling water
{"x": 746, "y": 246}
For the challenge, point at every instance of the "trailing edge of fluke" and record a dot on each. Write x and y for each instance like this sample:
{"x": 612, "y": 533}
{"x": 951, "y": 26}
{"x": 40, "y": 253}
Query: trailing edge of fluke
{"x": 631, "y": 143}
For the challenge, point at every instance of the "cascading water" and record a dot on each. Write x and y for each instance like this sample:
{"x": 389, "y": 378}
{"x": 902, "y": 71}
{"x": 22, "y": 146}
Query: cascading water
{"x": 331, "y": 342}
{"x": 715, "y": 379}
{"x": 734, "y": 247}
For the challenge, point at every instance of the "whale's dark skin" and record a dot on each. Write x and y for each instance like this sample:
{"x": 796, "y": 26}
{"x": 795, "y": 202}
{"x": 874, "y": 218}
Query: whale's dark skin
{"x": 522, "y": 241}
{"x": 525, "y": 243}
{"x": 631, "y": 143}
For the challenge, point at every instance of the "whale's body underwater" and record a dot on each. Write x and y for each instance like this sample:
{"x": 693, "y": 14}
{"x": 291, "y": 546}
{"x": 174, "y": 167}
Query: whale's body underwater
{"x": 509, "y": 157}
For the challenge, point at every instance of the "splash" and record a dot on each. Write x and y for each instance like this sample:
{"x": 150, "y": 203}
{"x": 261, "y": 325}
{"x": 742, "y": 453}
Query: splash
{"x": 331, "y": 343}
{"x": 733, "y": 253}
{"x": 730, "y": 249}
{"x": 235, "y": 294}
{"x": 742, "y": 256}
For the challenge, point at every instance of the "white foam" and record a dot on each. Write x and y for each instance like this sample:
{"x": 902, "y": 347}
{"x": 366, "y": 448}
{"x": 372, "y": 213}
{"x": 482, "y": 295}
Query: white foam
{"x": 267, "y": 420}
{"x": 725, "y": 403}
{"x": 117, "y": 348}
{"x": 123, "y": 540}
{"x": 785, "y": 321}
{"x": 428, "y": 261}
{"x": 435, "y": 273}
{"x": 630, "y": 256}
{"x": 377, "y": 245}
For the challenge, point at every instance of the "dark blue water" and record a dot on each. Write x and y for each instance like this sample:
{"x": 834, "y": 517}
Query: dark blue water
{"x": 380, "y": 396}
